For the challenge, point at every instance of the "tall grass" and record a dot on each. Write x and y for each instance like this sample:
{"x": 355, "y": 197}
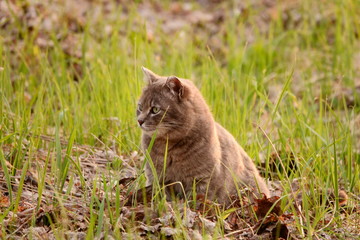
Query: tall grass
{"x": 282, "y": 82}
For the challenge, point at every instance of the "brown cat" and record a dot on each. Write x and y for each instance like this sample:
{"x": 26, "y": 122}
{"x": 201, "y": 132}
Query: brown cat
{"x": 200, "y": 152}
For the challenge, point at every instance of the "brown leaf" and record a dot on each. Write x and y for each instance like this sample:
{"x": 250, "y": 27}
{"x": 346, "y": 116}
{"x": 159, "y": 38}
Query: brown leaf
{"x": 266, "y": 206}
{"x": 279, "y": 231}
{"x": 275, "y": 226}
{"x": 4, "y": 201}
{"x": 342, "y": 197}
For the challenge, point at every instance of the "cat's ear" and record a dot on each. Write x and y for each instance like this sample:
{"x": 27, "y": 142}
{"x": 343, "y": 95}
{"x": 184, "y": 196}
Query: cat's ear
{"x": 176, "y": 86}
{"x": 149, "y": 76}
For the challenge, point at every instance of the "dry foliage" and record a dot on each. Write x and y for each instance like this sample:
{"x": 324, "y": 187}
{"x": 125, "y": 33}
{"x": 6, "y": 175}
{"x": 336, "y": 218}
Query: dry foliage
{"x": 244, "y": 218}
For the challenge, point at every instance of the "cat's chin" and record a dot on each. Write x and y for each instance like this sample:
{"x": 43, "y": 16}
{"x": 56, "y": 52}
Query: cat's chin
{"x": 151, "y": 131}
{"x": 147, "y": 130}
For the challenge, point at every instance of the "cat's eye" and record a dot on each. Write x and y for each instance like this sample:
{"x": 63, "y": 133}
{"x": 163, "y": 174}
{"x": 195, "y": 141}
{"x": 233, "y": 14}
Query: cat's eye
{"x": 155, "y": 110}
{"x": 139, "y": 107}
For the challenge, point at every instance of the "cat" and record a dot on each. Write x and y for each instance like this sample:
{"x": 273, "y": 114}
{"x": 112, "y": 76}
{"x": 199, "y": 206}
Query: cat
{"x": 200, "y": 152}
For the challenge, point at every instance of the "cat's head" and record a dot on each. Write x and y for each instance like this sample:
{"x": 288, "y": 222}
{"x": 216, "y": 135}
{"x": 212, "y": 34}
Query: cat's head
{"x": 164, "y": 104}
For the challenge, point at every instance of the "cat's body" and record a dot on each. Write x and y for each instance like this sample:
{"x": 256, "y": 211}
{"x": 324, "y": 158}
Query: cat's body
{"x": 200, "y": 152}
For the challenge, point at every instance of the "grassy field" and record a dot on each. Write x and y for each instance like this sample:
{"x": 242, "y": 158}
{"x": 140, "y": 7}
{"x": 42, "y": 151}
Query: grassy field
{"x": 282, "y": 76}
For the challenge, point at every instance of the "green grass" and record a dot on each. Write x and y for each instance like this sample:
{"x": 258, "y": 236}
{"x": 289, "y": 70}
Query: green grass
{"x": 282, "y": 83}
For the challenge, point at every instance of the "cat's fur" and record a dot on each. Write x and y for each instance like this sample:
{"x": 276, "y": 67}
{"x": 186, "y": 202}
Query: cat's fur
{"x": 199, "y": 150}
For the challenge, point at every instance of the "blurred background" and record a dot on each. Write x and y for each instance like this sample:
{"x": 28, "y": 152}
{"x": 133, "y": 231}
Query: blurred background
{"x": 81, "y": 59}
{"x": 77, "y": 63}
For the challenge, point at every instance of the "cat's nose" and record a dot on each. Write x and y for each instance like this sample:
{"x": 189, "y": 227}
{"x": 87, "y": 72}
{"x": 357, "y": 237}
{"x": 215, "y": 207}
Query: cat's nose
{"x": 140, "y": 122}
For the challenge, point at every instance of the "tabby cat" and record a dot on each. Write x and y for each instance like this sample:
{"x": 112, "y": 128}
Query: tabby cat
{"x": 200, "y": 152}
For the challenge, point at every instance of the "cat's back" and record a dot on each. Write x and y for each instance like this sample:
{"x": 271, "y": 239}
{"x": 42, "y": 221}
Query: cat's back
{"x": 232, "y": 154}
{"x": 236, "y": 161}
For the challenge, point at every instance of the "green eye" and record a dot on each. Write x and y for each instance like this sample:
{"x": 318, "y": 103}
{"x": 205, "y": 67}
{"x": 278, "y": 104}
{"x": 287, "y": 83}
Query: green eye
{"x": 155, "y": 110}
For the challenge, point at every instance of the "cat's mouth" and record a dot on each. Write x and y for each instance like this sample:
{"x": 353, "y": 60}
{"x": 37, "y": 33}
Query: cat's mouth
{"x": 147, "y": 129}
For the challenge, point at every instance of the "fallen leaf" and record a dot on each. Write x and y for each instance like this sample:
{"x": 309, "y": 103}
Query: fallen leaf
{"x": 169, "y": 231}
{"x": 149, "y": 228}
{"x": 266, "y": 206}
{"x": 272, "y": 224}
{"x": 208, "y": 225}
{"x": 167, "y": 219}
{"x": 279, "y": 231}
{"x": 189, "y": 218}
{"x": 4, "y": 201}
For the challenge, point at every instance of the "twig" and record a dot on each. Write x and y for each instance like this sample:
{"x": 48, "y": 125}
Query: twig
{"x": 21, "y": 226}
{"x": 238, "y": 231}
